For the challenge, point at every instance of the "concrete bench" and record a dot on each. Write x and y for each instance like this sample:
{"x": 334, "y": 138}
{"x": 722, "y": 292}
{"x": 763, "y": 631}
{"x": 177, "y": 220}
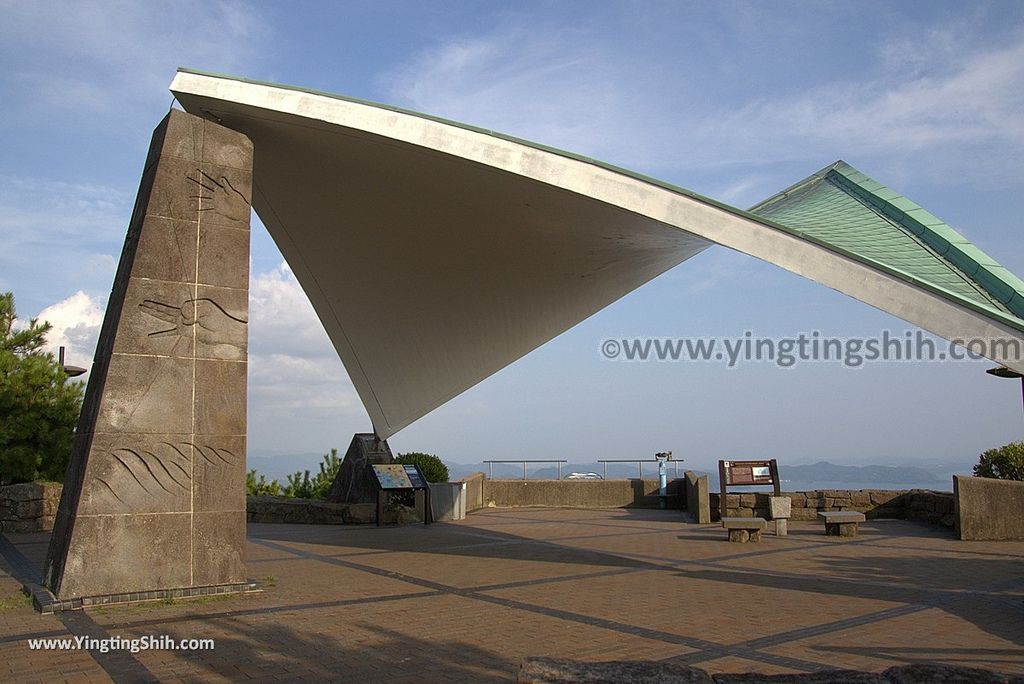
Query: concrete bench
{"x": 744, "y": 529}
{"x": 841, "y": 523}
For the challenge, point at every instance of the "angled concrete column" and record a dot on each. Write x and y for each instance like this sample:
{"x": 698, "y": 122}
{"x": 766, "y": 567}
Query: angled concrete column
{"x": 154, "y": 498}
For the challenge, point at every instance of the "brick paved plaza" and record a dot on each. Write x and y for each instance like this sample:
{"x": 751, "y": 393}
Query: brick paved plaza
{"x": 467, "y": 601}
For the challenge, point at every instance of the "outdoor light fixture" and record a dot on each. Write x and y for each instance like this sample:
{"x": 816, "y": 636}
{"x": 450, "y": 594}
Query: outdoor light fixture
{"x": 70, "y": 371}
{"x": 1004, "y": 372}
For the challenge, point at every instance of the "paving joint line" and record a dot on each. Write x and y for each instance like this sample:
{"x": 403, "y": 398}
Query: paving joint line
{"x": 720, "y": 563}
{"x": 622, "y": 628}
{"x": 116, "y": 663}
{"x": 666, "y": 563}
{"x": 940, "y": 601}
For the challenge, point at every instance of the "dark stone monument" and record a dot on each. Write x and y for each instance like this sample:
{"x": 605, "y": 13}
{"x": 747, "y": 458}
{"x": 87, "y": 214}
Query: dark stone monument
{"x": 354, "y": 482}
{"x": 154, "y": 498}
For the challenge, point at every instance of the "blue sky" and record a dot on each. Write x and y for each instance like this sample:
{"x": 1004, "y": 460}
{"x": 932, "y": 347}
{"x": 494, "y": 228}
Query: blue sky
{"x": 734, "y": 100}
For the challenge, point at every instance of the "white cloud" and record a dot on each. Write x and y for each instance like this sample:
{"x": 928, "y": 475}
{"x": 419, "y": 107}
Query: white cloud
{"x": 281, "y": 319}
{"x": 960, "y": 96}
{"x": 76, "y": 325}
{"x": 293, "y": 368}
{"x": 300, "y": 397}
{"x": 29, "y": 206}
{"x": 78, "y": 77}
{"x": 524, "y": 81}
{"x": 104, "y": 58}
{"x": 58, "y": 237}
{"x": 977, "y": 104}
{"x": 746, "y": 191}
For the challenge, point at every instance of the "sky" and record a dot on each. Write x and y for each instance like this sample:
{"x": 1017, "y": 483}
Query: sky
{"x": 734, "y": 100}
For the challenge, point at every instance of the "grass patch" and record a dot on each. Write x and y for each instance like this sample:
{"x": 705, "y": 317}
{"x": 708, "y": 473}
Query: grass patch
{"x": 143, "y": 606}
{"x": 13, "y": 601}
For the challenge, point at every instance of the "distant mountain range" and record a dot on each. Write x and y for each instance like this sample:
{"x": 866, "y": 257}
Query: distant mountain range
{"x": 830, "y": 472}
{"x": 280, "y": 467}
{"x": 821, "y": 474}
{"x": 538, "y": 471}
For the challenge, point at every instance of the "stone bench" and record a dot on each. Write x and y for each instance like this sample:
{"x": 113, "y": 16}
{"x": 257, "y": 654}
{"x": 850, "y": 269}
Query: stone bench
{"x": 841, "y": 523}
{"x": 744, "y": 529}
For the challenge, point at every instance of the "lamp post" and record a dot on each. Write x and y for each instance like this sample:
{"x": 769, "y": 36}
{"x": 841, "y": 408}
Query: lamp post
{"x": 70, "y": 371}
{"x": 1004, "y": 372}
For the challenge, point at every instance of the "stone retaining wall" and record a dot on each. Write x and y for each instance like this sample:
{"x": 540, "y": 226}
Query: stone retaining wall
{"x": 914, "y": 504}
{"x": 278, "y": 509}
{"x": 633, "y": 493}
{"x": 29, "y": 507}
{"x": 934, "y": 507}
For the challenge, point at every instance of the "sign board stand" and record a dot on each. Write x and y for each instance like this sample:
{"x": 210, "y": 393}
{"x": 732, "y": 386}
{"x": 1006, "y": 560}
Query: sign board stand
{"x": 397, "y": 477}
{"x": 746, "y": 473}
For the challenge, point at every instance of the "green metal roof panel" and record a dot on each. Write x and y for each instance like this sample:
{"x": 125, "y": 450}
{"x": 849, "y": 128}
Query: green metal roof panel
{"x": 844, "y": 209}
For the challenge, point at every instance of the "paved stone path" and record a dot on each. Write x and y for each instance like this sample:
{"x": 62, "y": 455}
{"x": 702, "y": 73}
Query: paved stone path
{"x": 466, "y": 601}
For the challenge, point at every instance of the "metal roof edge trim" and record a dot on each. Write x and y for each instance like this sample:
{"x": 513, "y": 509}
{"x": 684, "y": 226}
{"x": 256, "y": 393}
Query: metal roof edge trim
{"x": 945, "y": 240}
{"x": 1002, "y": 317}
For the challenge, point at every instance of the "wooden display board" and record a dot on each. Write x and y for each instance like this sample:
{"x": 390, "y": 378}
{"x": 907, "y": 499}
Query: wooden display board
{"x": 746, "y": 474}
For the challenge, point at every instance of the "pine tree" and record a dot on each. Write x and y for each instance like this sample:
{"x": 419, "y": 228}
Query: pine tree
{"x": 38, "y": 406}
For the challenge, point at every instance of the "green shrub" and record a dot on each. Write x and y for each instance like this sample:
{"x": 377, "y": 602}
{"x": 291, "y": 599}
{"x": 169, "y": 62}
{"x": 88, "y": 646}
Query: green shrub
{"x": 299, "y": 486}
{"x": 325, "y": 478}
{"x": 1004, "y": 463}
{"x": 39, "y": 407}
{"x": 260, "y": 487}
{"x": 433, "y": 468}
{"x": 302, "y": 486}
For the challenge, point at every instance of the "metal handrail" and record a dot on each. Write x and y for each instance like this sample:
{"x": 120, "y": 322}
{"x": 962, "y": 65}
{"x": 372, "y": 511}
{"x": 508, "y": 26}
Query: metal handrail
{"x": 639, "y": 461}
{"x": 524, "y": 461}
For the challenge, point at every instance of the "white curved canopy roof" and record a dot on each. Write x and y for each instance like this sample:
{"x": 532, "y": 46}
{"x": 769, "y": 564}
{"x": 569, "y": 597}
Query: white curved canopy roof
{"x": 435, "y": 254}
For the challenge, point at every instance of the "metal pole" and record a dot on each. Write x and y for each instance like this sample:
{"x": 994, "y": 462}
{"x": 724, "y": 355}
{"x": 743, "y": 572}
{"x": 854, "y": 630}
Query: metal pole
{"x": 559, "y": 470}
{"x": 605, "y": 464}
{"x": 524, "y": 470}
{"x": 490, "y": 471}
{"x": 641, "y": 464}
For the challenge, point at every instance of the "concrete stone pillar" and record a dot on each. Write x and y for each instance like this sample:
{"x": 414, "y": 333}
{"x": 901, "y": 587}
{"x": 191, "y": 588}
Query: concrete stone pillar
{"x": 780, "y": 508}
{"x": 154, "y": 498}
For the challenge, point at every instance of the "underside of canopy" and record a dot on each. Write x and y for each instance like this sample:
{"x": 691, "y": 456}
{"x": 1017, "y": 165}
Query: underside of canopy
{"x": 436, "y": 254}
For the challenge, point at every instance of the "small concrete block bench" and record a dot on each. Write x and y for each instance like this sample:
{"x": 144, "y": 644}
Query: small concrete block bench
{"x": 841, "y": 523}
{"x": 744, "y": 529}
